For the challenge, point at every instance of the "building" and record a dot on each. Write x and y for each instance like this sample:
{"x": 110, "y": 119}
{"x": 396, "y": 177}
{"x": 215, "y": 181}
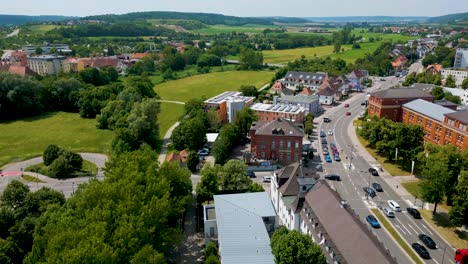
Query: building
{"x": 447, "y": 104}
{"x": 388, "y": 103}
{"x": 228, "y": 104}
{"x": 461, "y": 59}
{"x": 357, "y": 77}
{"x": 434, "y": 68}
{"x": 332, "y": 90}
{"x": 279, "y": 140}
{"x": 400, "y": 62}
{"x": 279, "y": 88}
{"x": 47, "y": 48}
{"x": 180, "y": 157}
{"x": 269, "y": 112}
{"x": 458, "y": 74}
{"x": 442, "y": 125}
{"x": 305, "y": 79}
{"x": 17, "y": 69}
{"x": 243, "y": 224}
{"x": 310, "y": 103}
{"x": 46, "y": 64}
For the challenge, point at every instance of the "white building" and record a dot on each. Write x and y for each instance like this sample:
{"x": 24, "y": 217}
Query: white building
{"x": 458, "y": 74}
{"x": 462, "y": 93}
{"x": 461, "y": 59}
{"x": 46, "y": 64}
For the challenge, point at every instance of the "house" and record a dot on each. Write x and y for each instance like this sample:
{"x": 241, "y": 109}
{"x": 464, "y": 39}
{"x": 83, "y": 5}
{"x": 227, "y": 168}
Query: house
{"x": 242, "y": 224}
{"x": 434, "y": 68}
{"x": 180, "y": 157}
{"x": 400, "y": 62}
{"x": 307, "y": 91}
{"x": 46, "y": 64}
{"x": 446, "y": 103}
{"x": 17, "y": 69}
{"x": 280, "y": 88}
{"x": 279, "y": 140}
{"x": 357, "y": 77}
{"x": 458, "y": 74}
{"x": 310, "y": 103}
{"x": 311, "y": 80}
{"x": 331, "y": 90}
{"x": 269, "y": 112}
{"x": 103, "y": 62}
{"x": 388, "y": 103}
{"x": 442, "y": 125}
{"x": 228, "y": 104}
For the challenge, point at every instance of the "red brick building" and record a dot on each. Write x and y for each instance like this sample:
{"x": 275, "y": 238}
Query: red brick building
{"x": 388, "y": 103}
{"x": 442, "y": 125}
{"x": 279, "y": 140}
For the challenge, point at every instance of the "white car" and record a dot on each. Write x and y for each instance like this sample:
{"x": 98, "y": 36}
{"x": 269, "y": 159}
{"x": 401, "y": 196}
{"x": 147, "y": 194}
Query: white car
{"x": 267, "y": 178}
{"x": 394, "y": 205}
{"x": 388, "y": 212}
{"x": 330, "y": 132}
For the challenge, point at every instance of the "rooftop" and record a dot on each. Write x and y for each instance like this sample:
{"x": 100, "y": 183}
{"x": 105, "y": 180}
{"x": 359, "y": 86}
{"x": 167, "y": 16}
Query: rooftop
{"x": 313, "y": 76}
{"x": 292, "y": 176}
{"x": 46, "y": 57}
{"x": 229, "y": 95}
{"x": 242, "y": 234}
{"x": 461, "y": 116}
{"x": 401, "y": 93}
{"x": 277, "y": 108}
{"x": 428, "y": 109}
{"x": 277, "y": 127}
{"x": 300, "y": 98}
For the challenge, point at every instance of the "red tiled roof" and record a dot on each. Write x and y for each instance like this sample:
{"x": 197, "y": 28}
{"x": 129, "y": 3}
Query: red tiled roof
{"x": 138, "y": 56}
{"x": 173, "y": 157}
{"x": 105, "y": 62}
{"x": 184, "y": 156}
{"x": 435, "y": 67}
{"x": 307, "y": 91}
{"x": 278, "y": 86}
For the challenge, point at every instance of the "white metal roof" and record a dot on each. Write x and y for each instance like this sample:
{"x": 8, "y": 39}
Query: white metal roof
{"x": 428, "y": 109}
{"x": 211, "y": 137}
{"x": 242, "y": 234}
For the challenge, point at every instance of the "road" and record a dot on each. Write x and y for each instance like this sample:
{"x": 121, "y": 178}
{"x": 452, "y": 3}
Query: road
{"x": 14, "y": 33}
{"x": 354, "y": 179}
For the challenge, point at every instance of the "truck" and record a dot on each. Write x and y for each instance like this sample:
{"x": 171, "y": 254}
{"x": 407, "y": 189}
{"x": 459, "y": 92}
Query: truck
{"x": 461, "y": 256}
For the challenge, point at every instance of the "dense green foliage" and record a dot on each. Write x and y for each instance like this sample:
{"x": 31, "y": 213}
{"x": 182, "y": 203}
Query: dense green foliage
{"x": 441, "y": 55}
{"x": 423, "y": 77}
{"x": 60, "y": 163}
{"x": 116, "y": 29}
{"x": 250, "y": 59}
{"x": 292, "y": 247}
{"x": 228, "y": 136}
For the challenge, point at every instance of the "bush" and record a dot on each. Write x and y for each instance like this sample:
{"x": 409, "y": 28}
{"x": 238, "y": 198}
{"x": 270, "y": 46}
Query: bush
{"x": 75, "y": 161}
{"x": 192, "y": 161}
{"x": 51, "y": 153}
{"x": 212, "y": 260}
{"x": 211, "y": 249}
{"x": 60, "y": 168}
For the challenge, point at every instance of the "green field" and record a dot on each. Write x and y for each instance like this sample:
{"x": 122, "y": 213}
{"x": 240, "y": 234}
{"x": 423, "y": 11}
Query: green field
{"x": 41, "y": 29}
{"x": 284, "y": 56}
{"x": 211, "y": 84}
{"x": 218, "y": 29}
{"x": 191, "y": 71}
{"x": 170, "y": 113}
{"x": 350, "y": 55}
{"x": 28, "y": 138}
{"x": 392, "y": 37}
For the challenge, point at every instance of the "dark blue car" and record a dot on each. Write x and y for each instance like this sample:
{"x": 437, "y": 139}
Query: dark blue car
{"x": 373, "y": 221}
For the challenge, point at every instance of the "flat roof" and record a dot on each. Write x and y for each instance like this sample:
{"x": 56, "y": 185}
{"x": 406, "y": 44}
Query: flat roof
{"x": 300, "y": 98}
{"x": 277, "y": 108}
{"x": 211, "y": 137}
{"x": 242, "y": 234}
{"x": 229, "y": 95}
{"x": 401, "y": 93}
{"x": 428, "y": 109}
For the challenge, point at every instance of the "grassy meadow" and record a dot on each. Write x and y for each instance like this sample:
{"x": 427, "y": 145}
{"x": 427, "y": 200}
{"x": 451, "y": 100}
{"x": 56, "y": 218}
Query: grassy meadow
{"x": 218, "y": 29}
{"x": 170, "y": 113}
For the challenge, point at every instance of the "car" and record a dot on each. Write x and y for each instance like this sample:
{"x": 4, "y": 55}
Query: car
{"x": 327, "y": 158}
{"x": 322, "y": 134}
{"x": 427, "y": 240}
{"x": 369, "y": 191}
{"x": 421, "y": 250}
{"x": 388, "y": 212}
{"x": 394, "y": 205}
{"x": 335, "y": 151}
{"x": 330, "y": 132}
{"x": 363, "y": 103}
{"x": 324, "y": 141}
{"x": 382, "y": 79}
{"x": 325, "y": 152}
{"x": 337, "y": 157}
{"x": 324, "y": 147}
{"x": 377, "y": 187}
{"x": 267, "y": 178}
{"x": 326, "y": 120}
{"x": 348, "y": 113}
{"x": 251, "y": 174}
{"x": 333, "y": 177}
{"x": 373, "y": 172}
{"x": 373, "y": 221}
{"x": 203, "y": 152}
{"x": 413, "y": 212}
{"x": 346, "y": 105}
{"x": 332, "y": 145}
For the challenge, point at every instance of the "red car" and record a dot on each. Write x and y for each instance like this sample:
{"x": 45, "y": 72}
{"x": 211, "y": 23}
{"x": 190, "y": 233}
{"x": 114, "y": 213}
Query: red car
{"x": 348, "y": 113}
{"x": 346, "y": 105}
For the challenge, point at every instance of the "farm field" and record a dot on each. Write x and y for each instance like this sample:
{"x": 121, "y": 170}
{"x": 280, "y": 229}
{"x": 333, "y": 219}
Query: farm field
{"x": 284, "y": 56}
{"x": 41, "y": 29}
{"x": 27, "y": 138}
{"x": 350, "y": 55}
{"x": 210, "y": 84}
{"x": 191, "y": 71}
{"x": 218, "y": 29}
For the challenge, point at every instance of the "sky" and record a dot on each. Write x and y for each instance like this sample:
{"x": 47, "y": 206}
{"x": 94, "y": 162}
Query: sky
{"x": 291, "y": 8}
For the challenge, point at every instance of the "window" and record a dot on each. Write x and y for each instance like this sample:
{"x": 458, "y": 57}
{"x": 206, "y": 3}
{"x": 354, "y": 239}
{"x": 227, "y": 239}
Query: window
{"x": 419, "y": 120}
{"x": 411, "y": 116}
{"x": 297, "y": 144}
{"x": 289, "y": 144}
{"x": 428, "y": 123}
{"x": 288, "y": 156}
{"x": 263, "y": 143}
{"x": 281, "y": 156}
{"x": 281, "y": 144}
{"x": 273, "y": 144}
{"x": 263, "y": 155}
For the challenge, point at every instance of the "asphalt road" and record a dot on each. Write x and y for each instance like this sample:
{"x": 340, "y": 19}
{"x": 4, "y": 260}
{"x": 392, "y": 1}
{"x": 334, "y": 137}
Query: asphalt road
{"x": 353, "y": 170}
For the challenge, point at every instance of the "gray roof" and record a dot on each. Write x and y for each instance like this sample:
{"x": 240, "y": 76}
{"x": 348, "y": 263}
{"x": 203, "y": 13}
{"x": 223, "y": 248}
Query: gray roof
{"x": 300, "y": 98}
{"x": 278, "y": 127}
{"x": 402, "y": 93}
{"x": 314, "y": 76}
{"x": 242, "y": 234}
{"x": 461, "y": 116}
{"x": 428, "y": 109}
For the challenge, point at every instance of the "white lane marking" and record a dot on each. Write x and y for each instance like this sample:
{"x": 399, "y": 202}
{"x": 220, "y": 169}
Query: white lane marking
{"x": 403, "y": 226}
{"x": 435, "y": 260}
{"x": 410, "y": 226}
{"x": 423, "y": 225}
{"x": 401, "y": 229}
{"x": 413, "y": 221}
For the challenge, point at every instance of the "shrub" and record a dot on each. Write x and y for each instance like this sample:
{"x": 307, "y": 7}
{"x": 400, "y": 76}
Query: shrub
{"x": 51, "y": 153}
{"x": 60, "y": 168}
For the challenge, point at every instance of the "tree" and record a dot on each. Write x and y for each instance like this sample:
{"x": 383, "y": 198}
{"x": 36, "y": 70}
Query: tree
{"x": 39, "y": 51}
{"x": 60, "y": 168}
{"x": 147, "y": 255}
{"x": 336, "y": 47}
{"x": 208, "y": 60}
{"x": 309, "y": 124}
{"x": 233, "y": 177}
{"x": 250, "y": 59}
{"x": 248, "y": 90}
{"x": 292, "y": 247}
{"x": 211, "y": 250}
{"x": 244, "y": 119}
{"x": 51, "y": 153}
{"x": 143, "y": 121}
{"x": 255, "y": 187}
{"x": 190, "y": 134}
{"x": 465, "y": 84}
{"x": 452, "y": 98}
{"x": 458, "y": 214}
{"x": 438, "y": 93}
{"x": 228, "y": 135}
{"x": 192, "y": 161}
{"x": 194, "y": 105}
{"x": 212, "y": 260}
{"x": 434, "y": 181}
{"x": 208, "y": 185}
{"x": 450, "y": 82}
{"x": 14, "y": 195}
{"x": 74, "y": 160}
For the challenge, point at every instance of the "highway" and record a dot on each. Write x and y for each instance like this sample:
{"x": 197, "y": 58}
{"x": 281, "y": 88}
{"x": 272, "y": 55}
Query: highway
{"x": 354, "y": 173}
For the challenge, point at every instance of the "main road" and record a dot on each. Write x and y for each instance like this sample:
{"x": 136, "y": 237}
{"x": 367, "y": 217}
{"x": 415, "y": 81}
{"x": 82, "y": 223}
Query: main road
{"x": 353, "y": 170}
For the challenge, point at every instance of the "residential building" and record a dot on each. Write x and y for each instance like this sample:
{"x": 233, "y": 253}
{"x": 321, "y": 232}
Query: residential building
{"x": 388, "y": 103}
{"x": 332, "y": 90}
{"x": 458, "y": 74}
{"x": 442, "y": 125}
{"x": 400, "y": 62}
{"x": 280, "y": 88}
{"x": 228, "y": 104}
{"x": 461, "y": 59}
{"x": 310, "y": 103}
{"x": 434, "y": 68}
{"x": 46, "y": 64}
{"x": 180, "y": 157}
{"x": 357, "y": 77}
{"x": 269, "y": 112}
{"x": 279, "y": 140}
{"x": 243, "y": 224}
{"x": 305, "y": 79}
{"x": 71, "y": 65}
{"x": 17, "y": 69}
{"x": 46, "y": 49}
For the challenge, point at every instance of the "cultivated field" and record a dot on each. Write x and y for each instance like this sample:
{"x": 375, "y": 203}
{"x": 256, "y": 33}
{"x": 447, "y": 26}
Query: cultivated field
{"x": 41, "y": 29}
{"x": 218, "y": 29}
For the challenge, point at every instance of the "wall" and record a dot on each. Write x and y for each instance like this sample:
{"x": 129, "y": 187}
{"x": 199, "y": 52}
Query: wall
{"x": 275, "y": 147}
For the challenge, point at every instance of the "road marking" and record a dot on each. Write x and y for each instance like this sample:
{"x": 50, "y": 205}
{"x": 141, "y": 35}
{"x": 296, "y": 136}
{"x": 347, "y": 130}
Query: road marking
{"x": 400, "y": 229}
{"x": 423, "y": 225}
{"x": 403, "y": 226}
{"x": 435, "y": 260}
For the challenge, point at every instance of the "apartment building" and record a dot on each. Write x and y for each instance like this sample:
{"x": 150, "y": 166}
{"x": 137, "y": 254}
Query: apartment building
{"x": 461, "y": 59}
{"x": 458, "y": 74}
{"x": 312, "y": 80}
{"x": 310, "y": 103}
{"x": 46, "y": 64}
{"x": 269, "y": 112}
{"x": 228, "y": 104}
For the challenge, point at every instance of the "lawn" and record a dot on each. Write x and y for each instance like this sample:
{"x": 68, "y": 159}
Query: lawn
{"x": 170, "y": 113}
{"x": 412, "y": 187}
{"x": 41, "y": 29}
{"x": 211, "y": 84}
{"x": 218, "y": 29}
{"x": 284, "y": 56}
{"x": 27, "y": 138}
{"x": 351, "y": 55}
{"x": 190, "y": 71}
{"x": 440, "y": 222}
{"x": 383, "y": 221}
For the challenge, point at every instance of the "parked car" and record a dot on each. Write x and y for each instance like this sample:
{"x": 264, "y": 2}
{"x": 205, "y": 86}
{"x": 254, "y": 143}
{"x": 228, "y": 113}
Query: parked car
{"x": 346, "y": 105}
{"x": 324, "y": 148}
{"x": 332, "y": 145}
{"x": 322, "y": 134}
{"x": 203, "y": 152}
{"x": 373, "y": 221}
{"x": 363, "y": 103}
{"x": 427, "y": 240}
{"x": 328, "y": 158}
{"x": 324, "y": 141}
{"x": 335, "y": 151}
{"x": 388, "y": 212}
{"x": 382, "y": 79}
{"x": 373, "y": 171}
{"x": 348, "y": 113}
{"x": 267, "y": 178}
{"x": 337, "y": 157}
{"x": 333, "y": 177}
{"x": 326, "y": 120}
{"x": 325, "y": 152}
{"x": 377, "y": 187}
{"x": 330, "y": 132}
{"x": 394, "y": 205}
{"x": 413, "y": 212}
{"x": 369, "y": 191}
{"x": 251, "y": 174}
{"x": 421, "y": 250}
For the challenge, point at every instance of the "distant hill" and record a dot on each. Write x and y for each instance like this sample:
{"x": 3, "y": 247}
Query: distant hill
{"x": 366, "y": 19}
{"x": 279, "y": 19}
{"x": 450, "y": 18}
{"x": 206, "y": 18}
{"x": 6, "y": 20}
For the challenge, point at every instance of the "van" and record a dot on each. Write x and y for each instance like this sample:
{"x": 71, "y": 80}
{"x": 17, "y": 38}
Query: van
{"x": 394, "y": 205}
